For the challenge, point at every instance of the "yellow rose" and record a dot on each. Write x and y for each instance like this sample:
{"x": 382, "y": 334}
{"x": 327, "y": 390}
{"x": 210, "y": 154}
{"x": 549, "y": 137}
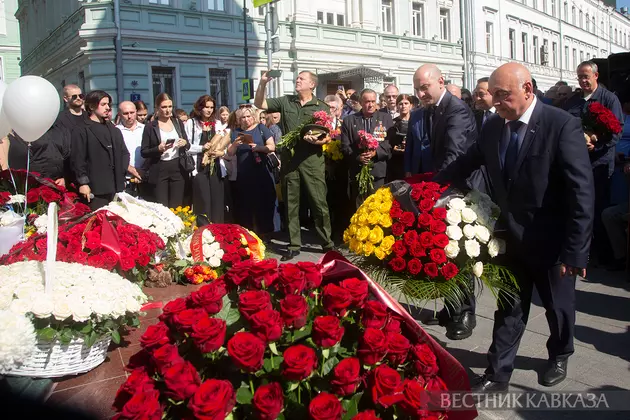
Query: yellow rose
{"x": 380, "y": 253}
{"x": 368, "y": 249}
{"x": 352, "y": 230}
{"x": 359, "y": 248}
{"x": 363, "y": 233}
{"x": 376, "y": 235}
{"x": 346, "y": 236}
{"x": 363, "y": 219}
{"x": 388, "y": 242}
{"x": 354, "y": 218}
{"x": 353, "y": 244}
{"x": 374, "y": 217}
{"x": 386, "y": 220}
{"x": 385, "y": 207}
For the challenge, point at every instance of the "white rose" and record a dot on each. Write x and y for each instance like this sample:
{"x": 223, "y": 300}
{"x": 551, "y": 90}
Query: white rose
{"x": 133, "y": 305}
{"x": 81, "y": 311}
{"x": 119, "y": 308}
{"x": 214, "y": 262}
{"x": 20, "y": 306}
{"x": 453, "y": 217}
{"x": 219, "y": 253}
{"x": 41, "y": 223}
{"x": 478, "y": 269}
{"x": 493, "y": 248}
{"x": 207, "y": 236}
{"x": 102, "y": 308}
{"x": 482, "y": 234}
{"x": 469, "y": 231}
{"x": 215, "y": 245}
{"x": 26, "y": 291}
{"x": 207, "y": 251}
{"x": 454, "y": 232}
{"x": 5, "y": 300}
{"x": 62, "y": 310}
{"x": 456, "y": 203}
{"x": 473, "y": 249}
{"x": 42, "y": 306}
{"x": 452, "y": 249}
{"x": 469, "y": 215}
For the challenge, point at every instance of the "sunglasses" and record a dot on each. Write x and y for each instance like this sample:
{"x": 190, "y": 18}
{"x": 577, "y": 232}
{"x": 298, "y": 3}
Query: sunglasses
{"x": 80, "y": 96}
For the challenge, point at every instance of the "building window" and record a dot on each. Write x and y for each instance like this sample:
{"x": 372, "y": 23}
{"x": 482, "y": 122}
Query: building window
{"x": 524, "y": 47}
{"x": 216, "y": 5}
{"x": 417, "y": 18}
{"x": 553, "y": 7}
{"x": 573, "y": 16}
{"x": 163, "y": 80}
{"x": 535, "y": 4}
{"x": 575, "y": 62}
{"x": 330, "y": 18}
{"x": 341, "y": 20}
{"x": 594, "y": 26}
{"x": 565, "y": 16}
{"x": 162, "y": 2}
{"x": 320, "y": 17}
{"x": 566, "y": 58}
{"x": 81, "y": 82}
{"x": 581, "y": 56}
{"x": 544, "y": 6}
{"x": 588, "y": 23}
{"x": 489, "y": 38}
{"x": 445, "y": 24}
{"x": 544, "y": 53}
{"x": 512, "y": 44}
{"x": 220, "y": 86}
{"x": 536, "y": 50}
{"x": 387, "y": 15}
{"x": 616, "y": 39}
{"x": 588, "y": 56}
{"x": 581, "y": 19}
{"x": 554, "y": 54}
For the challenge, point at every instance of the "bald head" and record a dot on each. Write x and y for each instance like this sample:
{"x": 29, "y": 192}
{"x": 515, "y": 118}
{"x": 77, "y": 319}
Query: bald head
{"x": 564, "y": 91}
{"x": 455, "y": 90}
{"x": 73, "y": 97}
{"x": 512, "y": 90}
{"x": 127, "y": 112}
{"x": 429, "y": 84}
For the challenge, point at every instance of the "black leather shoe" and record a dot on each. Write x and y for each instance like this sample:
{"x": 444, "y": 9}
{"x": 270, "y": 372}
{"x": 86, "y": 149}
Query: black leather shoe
{"x": 485, "y": 385}
{"x": 462, "y": 328}
{"x": 290, "y": 255}
{"x": 556, "y": 372}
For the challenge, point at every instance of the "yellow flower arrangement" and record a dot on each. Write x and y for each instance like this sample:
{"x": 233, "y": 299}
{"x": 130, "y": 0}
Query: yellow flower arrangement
{"x": 189, "y": 219}
{"x": 365, "y": 235}
{"x": 332, "y": 150}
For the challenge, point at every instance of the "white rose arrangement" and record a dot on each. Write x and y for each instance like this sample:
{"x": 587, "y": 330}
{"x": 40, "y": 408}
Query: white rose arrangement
{"x": 17, "y": 340}
{"x": 85, "y": 302}
{"x": 212, "y": 252}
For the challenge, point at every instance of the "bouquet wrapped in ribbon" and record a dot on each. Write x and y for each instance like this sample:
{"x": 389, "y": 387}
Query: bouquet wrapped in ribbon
{"x": 290, "y": 139}
{"x": 295, "y": 341}
{"x": 367, "y": 143}
{"x": 425, "y": 241}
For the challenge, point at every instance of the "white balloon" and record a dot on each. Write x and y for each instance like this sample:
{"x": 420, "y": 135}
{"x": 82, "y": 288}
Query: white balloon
{"x": 31, "y": 106}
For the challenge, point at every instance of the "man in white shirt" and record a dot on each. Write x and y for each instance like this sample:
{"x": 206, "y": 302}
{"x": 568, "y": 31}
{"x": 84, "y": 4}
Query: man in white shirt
{"x": 132, "y": 134}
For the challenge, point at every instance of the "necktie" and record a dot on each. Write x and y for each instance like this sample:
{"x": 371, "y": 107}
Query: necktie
{"x": 367, "y": 124}
{"x": 486, "y": 115}
{"x": 511, "y": 152}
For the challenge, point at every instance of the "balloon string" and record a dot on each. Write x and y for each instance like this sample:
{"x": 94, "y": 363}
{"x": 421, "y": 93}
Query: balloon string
{"x": 28, "y": 171}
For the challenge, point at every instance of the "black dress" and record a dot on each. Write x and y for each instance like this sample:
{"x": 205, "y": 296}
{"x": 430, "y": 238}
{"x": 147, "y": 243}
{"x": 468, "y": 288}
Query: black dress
{"x": 397, "y": 136}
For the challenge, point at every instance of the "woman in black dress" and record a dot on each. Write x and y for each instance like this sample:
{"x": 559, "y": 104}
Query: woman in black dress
{"x": 397, "y": 136}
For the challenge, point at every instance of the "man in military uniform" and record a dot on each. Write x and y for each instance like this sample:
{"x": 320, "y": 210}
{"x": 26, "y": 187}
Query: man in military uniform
{"x": 306, "y": 167}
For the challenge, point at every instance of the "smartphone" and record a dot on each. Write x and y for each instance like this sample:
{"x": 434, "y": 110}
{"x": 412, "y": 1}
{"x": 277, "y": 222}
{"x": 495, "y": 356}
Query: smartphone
{"x": 341, "y": 88}
{"x": 274, "y": 73}
{"x": 248, "y": 139}
{"x": 170, "y": 142}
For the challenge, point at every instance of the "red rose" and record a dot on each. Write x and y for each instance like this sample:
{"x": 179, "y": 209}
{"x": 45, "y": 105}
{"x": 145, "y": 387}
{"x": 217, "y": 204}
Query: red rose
{"x": 374, "y": 314}
{"x": 312, "y": 274}
{"x": 181, "y": 380}
{"x": 143, "y": 405}
{"x": 143, "y": 260}
{"x": 32, "y": 196}
{"x": 346, "y": 376}
{"x": 417, "y": 250}
{"x": 416, "y": 192}
{"x": 240, "y": 271}
{"x": 399, "y": 248}
{"x": 398, "y": 229}
{"x": 424, "y": 219}
{"x": 439, "y": 213}
{"x": 415, "y": 399}
{"x": 424, "y": 360}
{"x": 209, "y": 334}
{"x": 438, "y": 256}
{"x": 387, "y": 386}
{"x": 414, "y": 266}
{"x": 265, "y": 271}
{"x": 358, "y": 290}
{"x": 294, "y": 310}
{"x": 209, "y": 298}
{"x": 431, "y": 269}
{"x": 325, "y": 406}
{"x": 435, "y": 387}
{"x": 299, "y": 362}
{"x": 155, "y": 336}
{"x": 426, "y": 205}
{"x": 214, "y": 399}
{"x": 372, "y": 346}
{"x": 395, "y": 212}
{"x": 173, "y": 308}
{"x": 366, "y": 415}
{"x": 268, "y": 401}
{"x": 96, "y": 261}
{"x": 5, "y": 196}
{"x": 247, "y": 351}
{"x": 440, "y": 240}
{"x": 187, "y": 318}
{"x": 397, "y": 264}
{"x": 397, "y": 348}
{"x": 392, "y": 326}
{"x": 139, "y": 381}
{"x": 292, "y": 280}
{"x": 267, "y": 325}
{"x": 166, "y": 356}
{"x": 426, "y": 239}
{"x": 438, "y": 226}
{"x": 449, "y": 270}
{"x": 336, "y": 300}
{"x": 243, "y": 252}
{"x": 408, "y": 218}
{"x": 410, "y": 237}
{"x": 49, "y": 196}
{"x": 327, "y": 331}
{"x": 253, "y": 301}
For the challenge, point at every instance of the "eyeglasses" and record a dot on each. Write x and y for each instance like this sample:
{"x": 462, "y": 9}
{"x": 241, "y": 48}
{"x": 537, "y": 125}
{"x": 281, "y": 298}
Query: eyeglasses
{"x": 80, "y": 96}
{"x": 245, "y": 106}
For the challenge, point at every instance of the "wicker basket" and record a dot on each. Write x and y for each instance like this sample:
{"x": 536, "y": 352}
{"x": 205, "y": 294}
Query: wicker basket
{"x": 53, "y": 359}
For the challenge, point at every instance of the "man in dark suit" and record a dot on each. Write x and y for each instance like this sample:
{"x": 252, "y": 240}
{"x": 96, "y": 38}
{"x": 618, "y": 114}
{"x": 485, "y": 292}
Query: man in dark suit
{"x": 74, "y": 114}
{"x": 451, "y": 130}
{"x": 483, "y": 103}
{"x": 377, "y": 123}
{"x": 417, "y": 153}
{"x": 541, "y": 179}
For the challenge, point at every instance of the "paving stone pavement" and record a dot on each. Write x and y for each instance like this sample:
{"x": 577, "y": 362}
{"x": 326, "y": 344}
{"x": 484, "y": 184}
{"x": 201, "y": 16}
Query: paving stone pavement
{"x": 602, "y": 342}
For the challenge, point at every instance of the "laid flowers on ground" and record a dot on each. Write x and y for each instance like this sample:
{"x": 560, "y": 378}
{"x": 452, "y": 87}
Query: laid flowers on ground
{"x": 85, "y": 302}
{"x": 17, "y": 340}
{"x": 278, "y": 342}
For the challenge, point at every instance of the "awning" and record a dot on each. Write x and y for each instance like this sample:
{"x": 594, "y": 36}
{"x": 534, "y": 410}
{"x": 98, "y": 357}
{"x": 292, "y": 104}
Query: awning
{"x": 348, "y": 73}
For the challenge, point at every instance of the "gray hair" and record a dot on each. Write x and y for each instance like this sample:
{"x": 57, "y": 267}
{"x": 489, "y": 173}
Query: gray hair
{"x": 590, "y": 64}
{"x": 367, "y": 90}
{"x": 333, "y": 98}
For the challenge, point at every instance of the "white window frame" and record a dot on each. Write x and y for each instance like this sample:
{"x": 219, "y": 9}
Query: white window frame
{"x": 445, "y": 24}
{"x": 525, "y": 46}
{"x": 160, "y": 2}
{"x": 325, "y": 16}
{"x": 490, "y": 37}
{"x": 417, "y": 19}
{"x": 387, "y": 16}
{"x": 213, "y": 6}
{"x": 536, "y": 48}
{"x": 512, "y": 40}
{"x": 554, "y": 7}
{"x": 554, "y": 53}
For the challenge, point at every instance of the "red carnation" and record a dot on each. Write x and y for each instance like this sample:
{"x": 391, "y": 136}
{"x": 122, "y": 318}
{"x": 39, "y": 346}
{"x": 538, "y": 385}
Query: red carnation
{"x": 431, "y": 269}
{"x": 414, "y": 266}
{"x": 449, "y": 270}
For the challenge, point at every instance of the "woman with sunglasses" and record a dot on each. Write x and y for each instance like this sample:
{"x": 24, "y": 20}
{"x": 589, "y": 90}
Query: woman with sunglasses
{"x": 74, "y": 113}
{"x": 164, "y": 146}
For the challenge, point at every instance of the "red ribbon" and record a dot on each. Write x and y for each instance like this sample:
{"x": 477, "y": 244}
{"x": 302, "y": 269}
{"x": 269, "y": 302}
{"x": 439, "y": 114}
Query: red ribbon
{"x": 109, "y": 236}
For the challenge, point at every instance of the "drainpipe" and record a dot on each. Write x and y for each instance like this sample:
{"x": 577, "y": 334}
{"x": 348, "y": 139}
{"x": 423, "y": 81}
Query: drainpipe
{"x": 118, "y": 45}
{"x": 464, "y": 36}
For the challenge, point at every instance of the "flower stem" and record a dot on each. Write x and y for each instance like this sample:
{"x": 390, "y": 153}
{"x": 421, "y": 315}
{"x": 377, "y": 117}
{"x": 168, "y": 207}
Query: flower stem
{"x": 300, "y": 394}
{"x": 251, "y": 386}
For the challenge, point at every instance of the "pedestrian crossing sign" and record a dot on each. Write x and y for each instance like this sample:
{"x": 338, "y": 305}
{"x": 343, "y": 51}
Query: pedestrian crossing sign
{"x": 247, "y": 93}
{"x": 258, "y": 3}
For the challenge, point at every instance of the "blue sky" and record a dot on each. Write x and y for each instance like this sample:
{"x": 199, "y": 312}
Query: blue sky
{"x": 623, "y": 3}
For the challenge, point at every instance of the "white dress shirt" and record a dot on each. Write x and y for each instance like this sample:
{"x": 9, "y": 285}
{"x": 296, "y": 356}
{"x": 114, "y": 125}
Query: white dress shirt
{"x": 196, "y": 150}
{"x": 133, "y": 141}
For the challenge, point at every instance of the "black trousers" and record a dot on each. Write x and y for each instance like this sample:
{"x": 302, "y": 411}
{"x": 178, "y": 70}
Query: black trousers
{"x": 171, "y": 184}
{"x": 254, "y": 203}
{"x": 209, "y": 197}
{"x": 558, "y": 297}
{"x": 100, "y": 200}
{"x": 601, "y": 244}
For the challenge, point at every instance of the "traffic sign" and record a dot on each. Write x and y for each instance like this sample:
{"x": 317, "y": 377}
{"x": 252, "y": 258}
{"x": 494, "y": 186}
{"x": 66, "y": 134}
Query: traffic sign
{"x": 258, "y": 3}
{"x": 134, "y": 97}
{"x": 246, "y": 87}
{"x": 271, "y": 20}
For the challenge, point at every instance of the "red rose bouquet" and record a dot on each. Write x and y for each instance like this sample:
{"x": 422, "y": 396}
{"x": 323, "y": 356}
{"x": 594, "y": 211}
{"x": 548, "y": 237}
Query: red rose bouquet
{"x": 426, "y": 241}
{"x": 367, "y": 143}
{"x": 102, "y": 240}
{"x": 599, "y": 120}
{"x": 287, "y": 342}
